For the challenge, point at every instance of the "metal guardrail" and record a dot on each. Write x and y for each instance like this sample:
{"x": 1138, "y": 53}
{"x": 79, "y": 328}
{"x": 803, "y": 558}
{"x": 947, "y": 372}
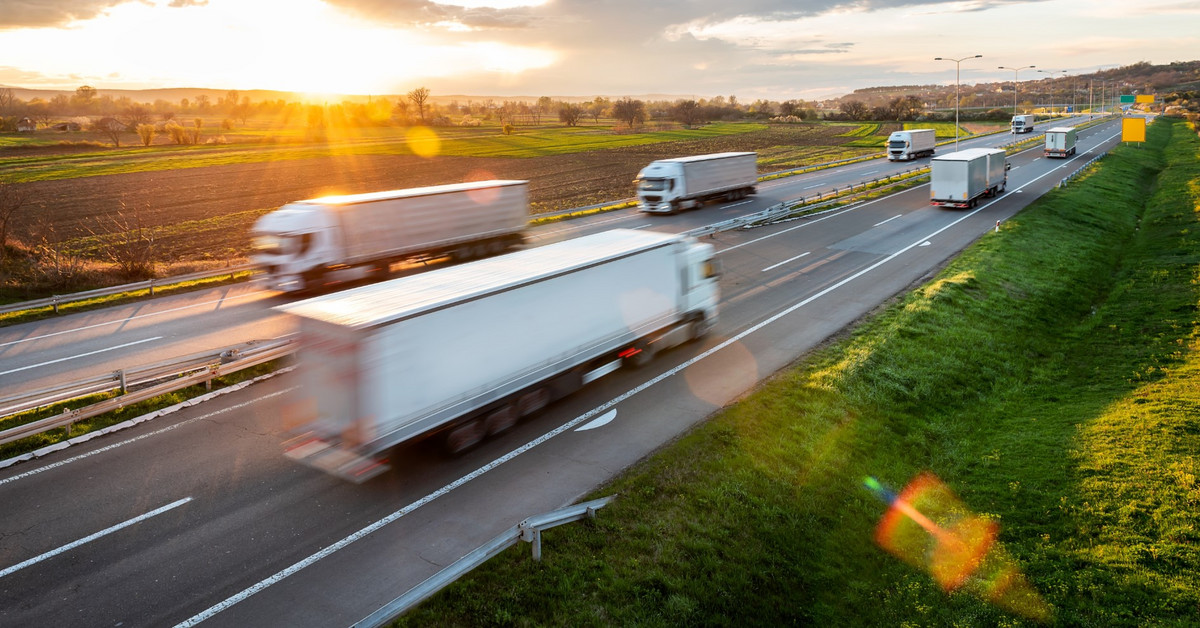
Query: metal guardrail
{"x": 149, "y": 284}
{"x": 529, "y": 530}
{"x": 1079, "y": 171}
{"x": 157, "y": 379}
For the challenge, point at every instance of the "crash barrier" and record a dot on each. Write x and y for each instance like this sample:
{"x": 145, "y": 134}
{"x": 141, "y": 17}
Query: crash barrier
{"x": 149, "y": 284}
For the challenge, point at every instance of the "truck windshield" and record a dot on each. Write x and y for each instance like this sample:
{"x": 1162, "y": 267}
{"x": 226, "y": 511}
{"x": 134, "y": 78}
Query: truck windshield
{"x": 897, "y": 144}
{"x": 653, "y": 185}
{"x": 273, "y": 244}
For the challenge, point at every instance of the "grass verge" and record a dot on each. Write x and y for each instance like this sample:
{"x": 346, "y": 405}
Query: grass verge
{"x": 1048, "y": 376}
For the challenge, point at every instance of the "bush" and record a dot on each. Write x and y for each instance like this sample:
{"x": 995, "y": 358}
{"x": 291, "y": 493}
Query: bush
{"x": 508, "y": 129}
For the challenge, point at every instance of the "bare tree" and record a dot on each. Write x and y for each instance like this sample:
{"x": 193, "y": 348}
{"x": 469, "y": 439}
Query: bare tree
{"x": 12, "y": 198}
{"x": 570, "y": 114}
{"x": 597, "y": 107}
{"x": 128, "y": 243}
{"x": 629, "y": 111}
{"x": 135, "y": 115}
{"x": 112, "y": 128}
{"x": 856, "y": 110}
{"x": 418, "y": 97}
{"x": 688, "y": 113}
{"x": 8, "y": 102}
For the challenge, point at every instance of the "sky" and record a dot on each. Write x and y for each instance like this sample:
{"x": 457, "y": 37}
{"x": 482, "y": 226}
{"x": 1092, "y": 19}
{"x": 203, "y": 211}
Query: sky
{"x": 752, "y": 49}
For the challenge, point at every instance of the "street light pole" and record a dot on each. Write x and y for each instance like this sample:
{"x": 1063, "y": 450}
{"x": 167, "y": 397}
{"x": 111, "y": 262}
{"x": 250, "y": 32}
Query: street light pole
{"x": 957, "y": 65}
{"x": 1052, "y": 73}
{"x": 1015, "y": 71}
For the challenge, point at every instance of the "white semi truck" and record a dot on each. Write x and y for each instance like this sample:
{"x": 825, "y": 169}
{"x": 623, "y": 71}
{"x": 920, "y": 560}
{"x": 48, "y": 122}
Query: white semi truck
{"x": 667, "y": 186}
{"x": 960, "y": 179}
{"x": 911, "y": 144}
{"x": 1060, "y": 142}
{"x": 463, "y": 352}
{"x": 306, "y": 244}
{"x": 1022, "y": 124}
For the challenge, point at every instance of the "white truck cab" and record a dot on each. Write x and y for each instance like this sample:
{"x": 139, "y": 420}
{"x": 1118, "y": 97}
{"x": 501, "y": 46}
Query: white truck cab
{"x": 293, "y": 240}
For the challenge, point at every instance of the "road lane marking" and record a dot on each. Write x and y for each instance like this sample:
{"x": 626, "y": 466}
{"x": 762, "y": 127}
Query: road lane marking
{"x": 81, "y": 355}
{"x": 601, "y": 421}
{"x": 135, "y": 439}
{"x": 887, "y": 221}
{"x": 92, "y": 537}
{"x": 869, "y": 172}
{"x": 813, "y": 186}
{"x": 786, "y": 261}
{"x": 256, "y": 293}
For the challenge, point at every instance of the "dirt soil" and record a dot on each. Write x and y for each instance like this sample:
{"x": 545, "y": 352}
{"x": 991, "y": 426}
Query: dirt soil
{"x": 77, "y": 207}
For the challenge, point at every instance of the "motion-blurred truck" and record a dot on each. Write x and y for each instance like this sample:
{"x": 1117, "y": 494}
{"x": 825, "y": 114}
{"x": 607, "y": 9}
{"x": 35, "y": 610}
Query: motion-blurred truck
{"x": 1022, "y": 124}
{"x": 463, "y": 352}
{"x": 667, "y": 186}
{"x": 960, "y": 179}
{"x": 1060, "y": 142}
{"x": 307, "y": 244}
{"x": 911, "y": 144}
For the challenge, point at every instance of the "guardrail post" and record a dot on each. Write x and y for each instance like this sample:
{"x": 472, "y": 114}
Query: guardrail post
{"x": 121, "y": 378}
{"x": 67, "y": 411}
{"x": 55, "y": 304}
{"x": 536, "y": 541}
{"x": 152, "y": 287}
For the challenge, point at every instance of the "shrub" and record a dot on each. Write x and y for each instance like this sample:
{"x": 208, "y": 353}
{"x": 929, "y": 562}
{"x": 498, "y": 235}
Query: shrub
{"x": 508, "y": 129}
{"x": 146, "y": 132}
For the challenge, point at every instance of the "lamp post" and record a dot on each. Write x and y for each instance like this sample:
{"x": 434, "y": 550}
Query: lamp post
{"x": 957, "y": 65}
{"x": 1015, "y": 71}
{"x": 1052, "y": 73}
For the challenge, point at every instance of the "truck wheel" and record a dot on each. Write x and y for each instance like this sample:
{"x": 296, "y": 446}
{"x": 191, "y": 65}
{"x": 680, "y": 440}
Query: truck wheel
{"x": 533, "y": 401}
{"x": 501, "y": 420}
{"x": 698, "y": 329}
{"x": 465, "y": 436}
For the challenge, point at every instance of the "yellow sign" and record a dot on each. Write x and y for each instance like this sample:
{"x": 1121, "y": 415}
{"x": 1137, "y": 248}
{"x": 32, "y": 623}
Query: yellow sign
{"x": 1145, "y": 99}
{"x": 1133, "y": 129}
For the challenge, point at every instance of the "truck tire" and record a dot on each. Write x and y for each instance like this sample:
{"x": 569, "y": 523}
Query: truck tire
{"x": 465, "y": 436}
{"x": 501, "y": 420}
{"x": 698, "y": 329}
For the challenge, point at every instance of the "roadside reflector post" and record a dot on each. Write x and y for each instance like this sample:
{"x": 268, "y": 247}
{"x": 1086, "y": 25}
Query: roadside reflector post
{"x": 997, "y": 226}
{"x": 121, "y": 378}
{"x": 151, "y": 287}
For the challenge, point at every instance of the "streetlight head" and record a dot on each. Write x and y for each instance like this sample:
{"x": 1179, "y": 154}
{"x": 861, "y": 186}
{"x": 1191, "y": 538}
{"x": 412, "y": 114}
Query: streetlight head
{"x": 938, "y": 59}
{"x": 978, "y": 56}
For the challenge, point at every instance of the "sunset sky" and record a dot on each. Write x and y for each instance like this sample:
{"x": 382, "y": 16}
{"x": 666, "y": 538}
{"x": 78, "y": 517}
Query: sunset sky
{"x": 775, "y": 49}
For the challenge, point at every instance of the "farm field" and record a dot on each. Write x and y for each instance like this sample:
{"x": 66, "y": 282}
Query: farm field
{"x": 199, "y": 201}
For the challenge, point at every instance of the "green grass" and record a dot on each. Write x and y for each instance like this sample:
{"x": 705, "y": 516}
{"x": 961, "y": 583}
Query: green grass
{"x": 942, "y": 129}
{"x": 478, "y": 142}
{"x": 1048, "y": 376}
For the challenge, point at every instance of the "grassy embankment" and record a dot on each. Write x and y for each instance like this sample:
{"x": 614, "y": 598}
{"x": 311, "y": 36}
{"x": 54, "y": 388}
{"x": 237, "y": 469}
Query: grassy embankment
{"x": 1048, "y": 376}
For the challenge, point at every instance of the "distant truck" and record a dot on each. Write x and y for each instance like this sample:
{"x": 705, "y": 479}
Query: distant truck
{"x": 305, "y": 244}
{"x": 667, "y": 186}
{"x": 1060, "y": 142}
{"x": 960, "y": 179}
{"x": 463, "y": 352}
{"x": 1022, "y": 124}
{"x": 911, "y": 144}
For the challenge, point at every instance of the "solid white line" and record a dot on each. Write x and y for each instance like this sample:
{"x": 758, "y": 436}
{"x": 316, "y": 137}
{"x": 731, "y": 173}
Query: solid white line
{"x": 132, "y": 318}
{"x": 869, "y": 172}
{"x": 92, "y": 537}
{"x": 267, "y": 582}
{"x": 786, "y": 261}
{"x": 146, "y": 435}
{"x": 81, "y": 355}
{"x": 887, "y": 221}
{"x": 813, "y": 186}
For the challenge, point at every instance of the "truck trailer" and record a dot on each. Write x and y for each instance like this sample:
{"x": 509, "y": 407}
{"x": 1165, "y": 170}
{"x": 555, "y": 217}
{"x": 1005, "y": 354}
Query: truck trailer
{"x": 667, "y": 186}
{"x": 960, "y": 179}
{"x": 911, "y": 144}
{"x": 1022, "y": 124}
{"x": 1060, "y": 142}
{"x": 463, "y": 352}
{"x": 306, "y": 244}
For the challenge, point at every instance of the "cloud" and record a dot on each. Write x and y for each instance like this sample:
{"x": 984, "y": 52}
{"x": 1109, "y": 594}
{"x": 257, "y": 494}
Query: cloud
{"x": 49, "y": 13}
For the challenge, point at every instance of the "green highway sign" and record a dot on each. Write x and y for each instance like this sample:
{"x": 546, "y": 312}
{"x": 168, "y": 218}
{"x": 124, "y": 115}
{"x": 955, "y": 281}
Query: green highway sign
{"x": 1128, "y": 99}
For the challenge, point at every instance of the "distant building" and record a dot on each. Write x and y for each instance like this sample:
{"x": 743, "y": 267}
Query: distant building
{"x": 67, "y": 126}
{"x": 26, "y": 125}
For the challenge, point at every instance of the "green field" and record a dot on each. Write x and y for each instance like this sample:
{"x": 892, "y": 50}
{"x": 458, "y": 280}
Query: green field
{"x": 1048, "y": 376}
{"x": 452, "y": 141}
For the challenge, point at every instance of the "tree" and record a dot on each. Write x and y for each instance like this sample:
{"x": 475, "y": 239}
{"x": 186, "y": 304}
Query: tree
{"x": 598, "y": 107}
{"x": 570, "y": 114}
{"x": 135, "y": 115}
{"x": 112, "y": 128}
{"x": 146, "y": 132}
{"x": 687, "y": 113}
{"x": 855, "y": 110}
{"x": 630, "y": 111}
{"x": 8, "y": 102}
{"x": 418, "y": 97}
{"x": 85, "y": 94}
{"x": 907, "y": 107}
{"x": 12, "y": 198}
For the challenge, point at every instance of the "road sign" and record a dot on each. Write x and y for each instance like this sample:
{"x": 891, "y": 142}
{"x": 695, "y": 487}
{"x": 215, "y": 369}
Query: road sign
{"x": 1133, "y": 129}
{"x": 1145, "y": 98}
{"x": 1128, "y": 98}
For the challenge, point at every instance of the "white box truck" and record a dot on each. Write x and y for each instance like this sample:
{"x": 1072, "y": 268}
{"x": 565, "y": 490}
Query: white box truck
{"x": 306, "y": 244}
{"x": 1022, "y": 124}
{"x": 960, "y": 179}
{"x": 463, "y": 352}
{"x": 670, "y": 185}
{"x": 911, "y": 144}
{"x": 1060, "y": 142}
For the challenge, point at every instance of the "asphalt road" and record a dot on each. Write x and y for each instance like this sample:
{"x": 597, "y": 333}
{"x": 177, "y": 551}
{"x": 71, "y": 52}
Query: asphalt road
{"x": 197, "y": 518}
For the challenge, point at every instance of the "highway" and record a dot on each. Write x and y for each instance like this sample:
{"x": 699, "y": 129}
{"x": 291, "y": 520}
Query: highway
{"x": 196, "y": 517}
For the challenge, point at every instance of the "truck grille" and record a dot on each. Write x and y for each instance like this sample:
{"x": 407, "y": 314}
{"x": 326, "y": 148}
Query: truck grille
{"x": 653, "y": 199}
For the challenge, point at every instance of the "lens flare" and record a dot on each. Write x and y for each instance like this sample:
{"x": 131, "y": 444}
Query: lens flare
{"x": 423, "y": 141}
{"x": 928, "y": 527}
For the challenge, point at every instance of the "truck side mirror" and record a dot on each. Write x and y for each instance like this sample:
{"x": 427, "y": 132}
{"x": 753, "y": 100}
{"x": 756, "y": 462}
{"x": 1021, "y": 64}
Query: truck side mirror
{"x": 1007, "y": 166}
